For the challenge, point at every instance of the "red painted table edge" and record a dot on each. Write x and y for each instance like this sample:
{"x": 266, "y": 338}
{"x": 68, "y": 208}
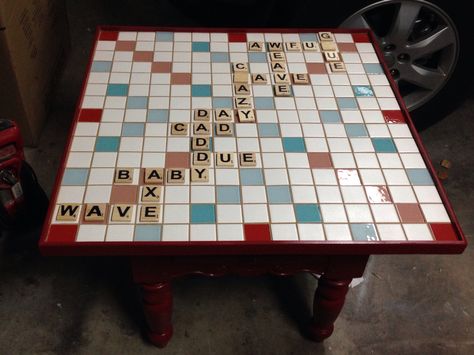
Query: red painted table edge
{"x": 228, "y": 248}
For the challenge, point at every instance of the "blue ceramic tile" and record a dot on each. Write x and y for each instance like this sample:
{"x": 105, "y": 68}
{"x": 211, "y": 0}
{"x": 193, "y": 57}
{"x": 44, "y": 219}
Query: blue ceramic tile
{"x": 147, "y": 233}
{"x": 419, "y": 177}
{"x": 203, "y": 213}
{"x": 356, "y": 130}
{"x": 373, "y": 68}
{"x": 117, "y": 90}
{"x": 157, "y": 116}
{"x": 293, "y": 145}
{"x": 201, "y": 90}
{"x": 363, "y": 232}
{"x": 278, "y": 194}
{"x": 137, "y": 102}
{"x": 75, "y": 176}
{"x": 101, "y": 66}
{"x": 200, "y": 46}
{"x": 308, "y": 37}
{"x": 107, "y": 144}
{"x": 257, "y": 57}
{"x": 133, "y": 129}
{"x": 347, "y": 103}
{"x": 220, "y": 57}
{"x": 362, "y": 90}
{"x": 251, "y": 177}
{"x": 307, "y": 213}
{"x": 330, "y": 116}
{"x": 164, "y": 36}
{"x": 268, "y": 130}
{"x": 264, "y": 103}
{"x": 228, "y": 194}
{"x": 384, "y": 145}
{"x": 221, "y": 102}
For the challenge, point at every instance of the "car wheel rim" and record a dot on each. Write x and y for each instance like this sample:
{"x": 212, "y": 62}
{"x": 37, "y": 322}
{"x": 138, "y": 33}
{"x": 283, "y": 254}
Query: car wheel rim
{"x": 419, "y": 42}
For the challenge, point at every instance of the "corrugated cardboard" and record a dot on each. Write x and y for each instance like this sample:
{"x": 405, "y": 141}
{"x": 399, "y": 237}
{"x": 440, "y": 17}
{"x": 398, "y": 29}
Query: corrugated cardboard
{"x": 33, "y": 41}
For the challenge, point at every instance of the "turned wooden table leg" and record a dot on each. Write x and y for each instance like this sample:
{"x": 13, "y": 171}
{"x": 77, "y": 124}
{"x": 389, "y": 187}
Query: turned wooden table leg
{"x": 157, "y": 305}
{"x": 328, "y": 302}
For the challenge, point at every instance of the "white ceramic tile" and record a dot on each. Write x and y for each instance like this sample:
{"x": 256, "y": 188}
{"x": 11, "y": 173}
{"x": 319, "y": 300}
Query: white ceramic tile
{"x": 175, "y": 233}
{"x": 359, "y": 213}
{"x": 271, "y": 145}
{"x": 435, "y": 213}
{"x": 229, "y": 213}
{"x": 335, "y": 232}
{"x": 202, "y": 194}
{"x": 276, "y": 176}
{"x": 101, "y": 176}
{"x": 176, "y": 213}
{"x": 284, "y": 232}
{"x": 70, "y": 194}
{"x": 353, "y": 194}
{"x": 311, "y": 231}
{"x": 176, "y": 194}
{"x": 227, "y": 176}
{"x": 104, "y": 159}
{"x": 366, "y": 160}
{"x": 300, "y": 176}
{"x": 98, "y": 194}
{"x": 273, "y": 160}
{"x": 384, "y": 213}
{"x": 119, "y": 233}
{"x": 254, "y": 194}
{"x": 417, "y": 232}
{"x": 333, "y": 213}
{"x": 412, "y": 160}
{"x": 324, "y": 177}
{"x": 402, "y": 194}
{"x": 343, "y": 160}
{"x": 372, "y": 176}
{"x": 390, "y": 232}
{"x": 303, "y": 194}
{"x": 79, "y": 159}
{"x": 281, "y": 213}
{"x": 91, "y": 233}
{"x": 230, "y": 232}
{"x": 254, "y": 213}
{"x": 396, "y": 177}
{"x": 202, "y": 232}
{"x": 328, "y": 194}
{"x": 389, "y": 160}
{"x": 129, "y": 160}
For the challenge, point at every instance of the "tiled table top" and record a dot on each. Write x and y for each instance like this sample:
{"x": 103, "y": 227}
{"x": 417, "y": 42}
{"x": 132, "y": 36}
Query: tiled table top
{"x": 327, "y": 164}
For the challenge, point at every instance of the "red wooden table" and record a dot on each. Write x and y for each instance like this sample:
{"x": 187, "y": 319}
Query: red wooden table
{"x": 318, "y": 167}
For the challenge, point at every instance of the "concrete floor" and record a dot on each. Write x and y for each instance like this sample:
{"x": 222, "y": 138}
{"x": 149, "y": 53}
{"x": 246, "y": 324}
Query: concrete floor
{"x": 407, "y": 304}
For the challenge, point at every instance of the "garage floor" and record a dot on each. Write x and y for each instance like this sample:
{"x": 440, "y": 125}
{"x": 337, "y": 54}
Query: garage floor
{"x": 406, "y": 304}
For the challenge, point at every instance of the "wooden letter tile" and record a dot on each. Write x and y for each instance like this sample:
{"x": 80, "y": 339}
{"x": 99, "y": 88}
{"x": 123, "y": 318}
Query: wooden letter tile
{"x": 175, "y": 176}
{"x": 240, "y": 67}
{"x": 223, "y": 114}
{"x": 199, "y": 175}
{"x": 328, "y": 46}
{"x": 331, "y": 56}
{"x": 278, "y": 66}
{"x": 337, "y": 67}
{"x": 200, "y": 143}
{"x": 202, "y": 114}
{"x": 300, "y": 79}
{"x": 150, "y": 213}
{"x": 242, "y": 89}
{"x": 95, "y": 212}
{"x": 277, "y": 56}
{"x": 224, "y": 129}
{"x": 311, "y": 46}
{"x": 255, "y": 46}
{"x": 68, "y": 212}
{"x": 246, "y": 116}
{"x": 202, "y": 128}
{"x": 202, "y": 158}
{"x": 259, "y": 78}
{"x": 326, "y": 36}
{"x": 293, "y": 46}
{"x": 122, "y": 213}
{"x": 282, "y": 90}
{"x": 275, "y": 46}
{"x": 243, "y": 102}
{"x": 153, "y": 176}
{"x": 123, "y": 176}
{"x": 241, "y": 77}
{"x": 179, "y": 129}
{"x": 224, "y": 159}
{"x": 151, "y": 193}
{"x": 248, "y": 159}
{"x": 281, "y": 78}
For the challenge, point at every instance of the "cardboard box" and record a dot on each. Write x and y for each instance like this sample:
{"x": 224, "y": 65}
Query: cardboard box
{"x": 34, "y": 39}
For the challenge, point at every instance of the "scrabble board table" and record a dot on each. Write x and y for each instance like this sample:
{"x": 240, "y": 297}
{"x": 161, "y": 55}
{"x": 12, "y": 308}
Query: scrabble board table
{"x": 244, "y": 151}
